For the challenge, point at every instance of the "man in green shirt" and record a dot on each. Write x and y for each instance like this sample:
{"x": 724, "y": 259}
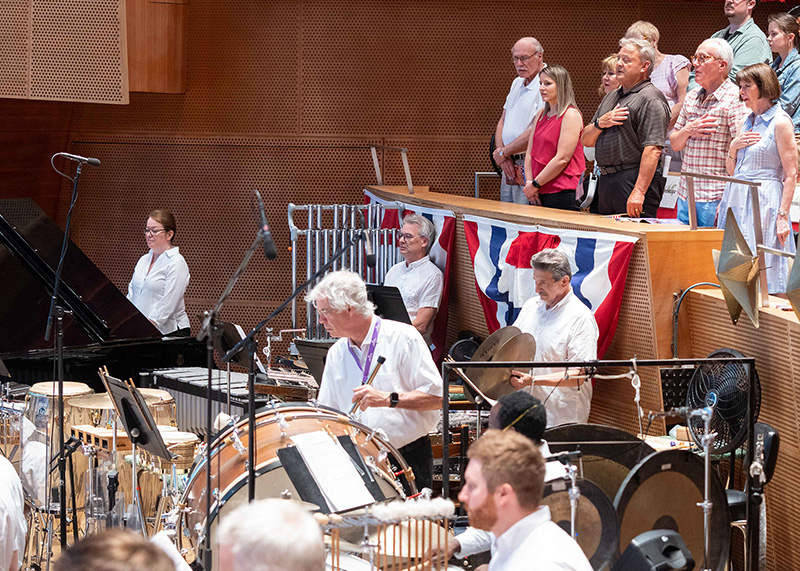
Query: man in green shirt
{"x": 748, "y": 42}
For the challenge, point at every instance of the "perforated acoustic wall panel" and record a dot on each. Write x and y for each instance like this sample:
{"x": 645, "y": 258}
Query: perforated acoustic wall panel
{"x": 776, "y": 348}
{"x": 209, "y": 186}
{"x": 65, "y": 50}
{"x": 14, "y": 53}
{"x": 79, "y": 51}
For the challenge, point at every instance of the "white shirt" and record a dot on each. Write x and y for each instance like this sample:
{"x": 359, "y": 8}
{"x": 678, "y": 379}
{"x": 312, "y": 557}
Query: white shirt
{"x": 408, "y": 367}
{"x": 12, "y": 517}
{"x": 522, "y": 104}
{"x": 420, "y": 284}
{"x": 474, "y": 540}
{"x": 536, "y": 542}
{"x": 159, "y": 294}
{"x": 567, "y": 332}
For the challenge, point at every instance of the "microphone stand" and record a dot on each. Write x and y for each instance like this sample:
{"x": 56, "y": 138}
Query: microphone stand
{"x": 56, "y": 314}
{"x": 249, "y": 342}
{"x": 209, "y": 330}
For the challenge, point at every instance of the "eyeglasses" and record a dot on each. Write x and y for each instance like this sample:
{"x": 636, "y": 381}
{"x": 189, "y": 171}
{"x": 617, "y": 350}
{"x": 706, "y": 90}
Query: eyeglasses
{"x": 701, "y": 59}
{"x": 153, "y": 232}
{"x": 406, "y": 237}
{"x": 522, "y": 59}
{"x": 326, "y": 312}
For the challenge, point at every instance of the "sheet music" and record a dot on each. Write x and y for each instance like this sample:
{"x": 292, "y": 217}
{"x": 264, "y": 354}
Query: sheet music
{"x": 333, "y": 471}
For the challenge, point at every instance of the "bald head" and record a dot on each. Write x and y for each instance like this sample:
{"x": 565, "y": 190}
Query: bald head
{"x": 527, "y": 57}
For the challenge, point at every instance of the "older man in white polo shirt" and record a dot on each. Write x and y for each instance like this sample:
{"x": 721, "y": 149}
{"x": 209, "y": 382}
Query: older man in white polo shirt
{"x": 514, "y": 127}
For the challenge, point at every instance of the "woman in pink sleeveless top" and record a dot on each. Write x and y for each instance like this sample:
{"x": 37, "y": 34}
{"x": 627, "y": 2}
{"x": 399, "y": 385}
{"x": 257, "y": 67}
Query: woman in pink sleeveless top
{"x": 554, "y": 160}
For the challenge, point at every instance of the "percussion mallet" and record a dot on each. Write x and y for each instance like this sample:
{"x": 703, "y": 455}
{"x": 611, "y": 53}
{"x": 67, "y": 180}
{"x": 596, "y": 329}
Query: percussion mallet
{"x": 381, "y": 361}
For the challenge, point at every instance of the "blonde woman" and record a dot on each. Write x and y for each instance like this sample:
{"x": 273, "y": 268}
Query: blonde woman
{"x": 554, "y": 159}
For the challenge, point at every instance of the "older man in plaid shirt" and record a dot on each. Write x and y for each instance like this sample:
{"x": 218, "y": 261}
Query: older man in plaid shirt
{"x": 710, "y": 118}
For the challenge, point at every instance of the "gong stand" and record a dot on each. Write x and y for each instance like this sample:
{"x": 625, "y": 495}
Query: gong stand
{"x": 754, "y": 488}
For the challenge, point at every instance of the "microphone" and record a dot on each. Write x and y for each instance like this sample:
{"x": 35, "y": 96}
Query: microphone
{"x": 78, "y": 158}
{"x": 371, "y": 259}
{"x": 269, "y": 244}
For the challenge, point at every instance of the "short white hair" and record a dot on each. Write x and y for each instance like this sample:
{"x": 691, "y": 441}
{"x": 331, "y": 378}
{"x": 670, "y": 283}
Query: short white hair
{"x": 343, "y": 289}
{"x": 425, "y": 227}
{"x": 721, "y": 49}
{"x": 645, "y": 49}
{"x": 272, "y": 535}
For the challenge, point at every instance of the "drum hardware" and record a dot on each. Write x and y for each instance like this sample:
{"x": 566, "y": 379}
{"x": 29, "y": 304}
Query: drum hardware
{"x": 707, "y": 439}
{"x": 574, "y": 490}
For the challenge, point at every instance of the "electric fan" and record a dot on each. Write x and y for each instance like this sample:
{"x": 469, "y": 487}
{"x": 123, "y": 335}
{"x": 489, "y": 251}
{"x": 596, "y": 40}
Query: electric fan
{"x": 724, "y": 387}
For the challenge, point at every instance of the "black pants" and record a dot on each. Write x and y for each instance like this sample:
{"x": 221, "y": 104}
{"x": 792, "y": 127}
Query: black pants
{"x": 564, "y": 200}
{"x": 419, "y": 456}
{"x": 613, "y": 191}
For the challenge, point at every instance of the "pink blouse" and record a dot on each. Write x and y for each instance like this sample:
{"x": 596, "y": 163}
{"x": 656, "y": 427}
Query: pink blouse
{"x": 543, "y": 149}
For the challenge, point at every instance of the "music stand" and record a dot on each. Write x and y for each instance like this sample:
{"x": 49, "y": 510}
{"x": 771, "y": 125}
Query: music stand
{"x": 140, "y": 426}
{"x": 314, "y": 353}
{"x": 230, "y": 335}
{"x": 388, "y": 302}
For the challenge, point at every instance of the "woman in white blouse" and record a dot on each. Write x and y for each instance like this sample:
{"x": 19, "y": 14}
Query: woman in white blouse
{"x": 160, "y": 277}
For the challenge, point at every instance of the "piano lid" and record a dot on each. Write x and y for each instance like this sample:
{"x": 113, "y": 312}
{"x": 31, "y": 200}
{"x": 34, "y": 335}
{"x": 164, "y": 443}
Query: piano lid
{"x": 30, "y": 244}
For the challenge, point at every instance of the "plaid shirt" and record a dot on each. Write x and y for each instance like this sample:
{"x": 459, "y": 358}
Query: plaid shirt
{"x": 706, "y": 155}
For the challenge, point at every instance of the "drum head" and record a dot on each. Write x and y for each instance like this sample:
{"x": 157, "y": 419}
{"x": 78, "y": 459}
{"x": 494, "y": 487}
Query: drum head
{"x": 662, "y": 492}
{"x": 609, "y": 453}
{"x": 50, "y": 388}
{"x": 596, "y": 522}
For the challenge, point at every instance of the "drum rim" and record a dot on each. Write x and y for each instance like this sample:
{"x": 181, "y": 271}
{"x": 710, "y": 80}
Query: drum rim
{"x": 271, "y": 463}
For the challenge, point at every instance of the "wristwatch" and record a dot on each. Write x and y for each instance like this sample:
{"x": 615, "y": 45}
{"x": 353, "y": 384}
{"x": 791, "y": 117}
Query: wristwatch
{"x": 783, "y": 214}
{"x": 536, "y": 184}
{"x": 500, "y": 152}
{"x": 394, "y": 399}
{"x": 597, "y": 123}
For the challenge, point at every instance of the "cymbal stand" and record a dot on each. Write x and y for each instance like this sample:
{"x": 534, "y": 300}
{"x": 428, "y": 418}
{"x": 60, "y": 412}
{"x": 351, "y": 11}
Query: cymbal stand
{"x": 708, "y": 441}
{"x": 574, "y": 497}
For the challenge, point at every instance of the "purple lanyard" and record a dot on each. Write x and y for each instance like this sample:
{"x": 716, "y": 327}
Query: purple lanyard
{"x": 370, "y": 353}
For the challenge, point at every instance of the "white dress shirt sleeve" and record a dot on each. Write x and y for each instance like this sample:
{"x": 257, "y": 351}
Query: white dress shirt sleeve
{"x": 473, "y": 541}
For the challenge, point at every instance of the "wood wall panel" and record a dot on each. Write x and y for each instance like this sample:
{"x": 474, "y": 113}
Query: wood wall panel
{"x": 156, "y": 36}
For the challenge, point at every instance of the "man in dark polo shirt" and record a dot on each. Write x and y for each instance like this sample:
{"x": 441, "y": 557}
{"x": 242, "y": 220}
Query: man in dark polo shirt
{"x": 628, "y": 131}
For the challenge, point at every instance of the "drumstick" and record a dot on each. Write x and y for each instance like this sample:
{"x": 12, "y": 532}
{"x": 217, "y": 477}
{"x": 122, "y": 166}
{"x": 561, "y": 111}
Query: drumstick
{"x": 381, "y": 361}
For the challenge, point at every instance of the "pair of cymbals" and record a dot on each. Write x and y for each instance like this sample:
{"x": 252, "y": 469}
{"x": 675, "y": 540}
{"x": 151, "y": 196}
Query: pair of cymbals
{"x": 505, "y": 344}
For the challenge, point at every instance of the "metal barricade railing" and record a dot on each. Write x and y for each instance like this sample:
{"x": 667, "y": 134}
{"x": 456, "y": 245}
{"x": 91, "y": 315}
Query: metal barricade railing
{"x": 330, "y": 227}
{"x": 479, "y": 176}
{"x": 404, "y": 156}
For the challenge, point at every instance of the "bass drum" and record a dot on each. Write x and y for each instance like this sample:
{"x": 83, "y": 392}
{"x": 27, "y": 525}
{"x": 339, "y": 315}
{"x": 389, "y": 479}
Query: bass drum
{"x": 274, "y": 429}
{"x": 663, "y": 492}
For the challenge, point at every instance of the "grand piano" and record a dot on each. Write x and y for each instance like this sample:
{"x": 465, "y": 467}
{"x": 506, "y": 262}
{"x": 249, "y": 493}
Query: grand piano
{"x": 101, "y": 328}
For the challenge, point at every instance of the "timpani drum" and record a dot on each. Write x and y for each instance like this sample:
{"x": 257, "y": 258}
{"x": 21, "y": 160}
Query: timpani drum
{"x": 40, "y": 436}
{"x": 274, "y": 429}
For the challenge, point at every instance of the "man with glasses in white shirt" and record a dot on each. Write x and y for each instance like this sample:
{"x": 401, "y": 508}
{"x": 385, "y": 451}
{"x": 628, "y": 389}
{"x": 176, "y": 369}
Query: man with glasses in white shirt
{"x": 419, "y": 280}
{"x": 514, "y": 127}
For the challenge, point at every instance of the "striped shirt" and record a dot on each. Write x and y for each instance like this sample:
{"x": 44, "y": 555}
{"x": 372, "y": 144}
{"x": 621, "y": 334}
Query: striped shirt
{"x": 706, "y": 155}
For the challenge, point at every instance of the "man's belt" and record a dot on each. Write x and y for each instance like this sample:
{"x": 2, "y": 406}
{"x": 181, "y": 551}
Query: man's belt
{"x": 617, "y": 168}
{"x": 518, "y": 156}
